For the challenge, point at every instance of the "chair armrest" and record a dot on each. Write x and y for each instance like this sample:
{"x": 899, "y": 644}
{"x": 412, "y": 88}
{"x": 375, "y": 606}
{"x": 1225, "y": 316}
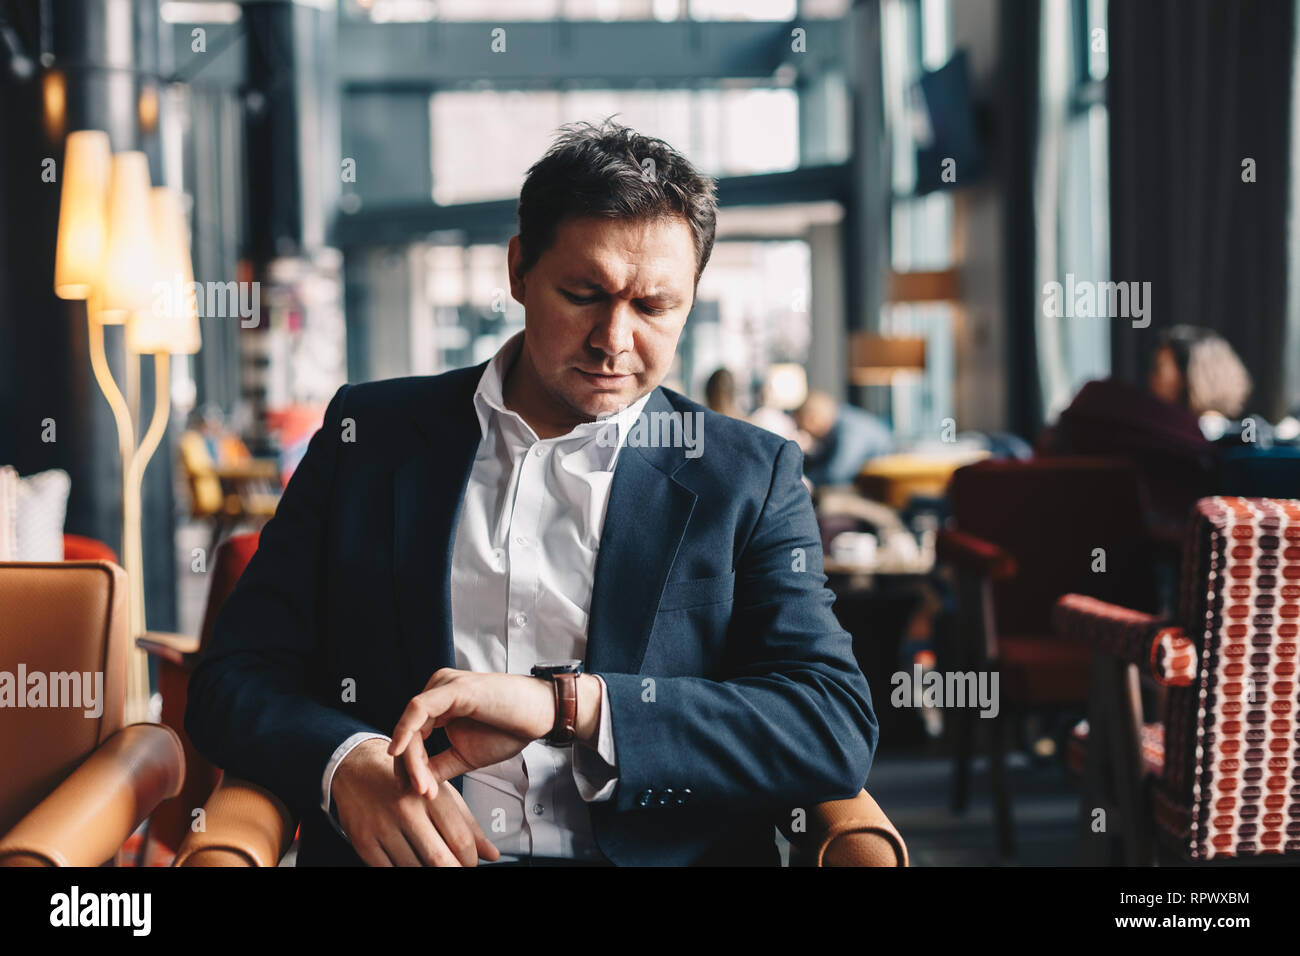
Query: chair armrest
{"x": 244, "y": 825}
{"x": 179, "y": 649}
{"x": 853, "y": 832}
{"x": 974, "y": 554}
{"x": 90, "y": 815}
{"x": 1132, "y": 636}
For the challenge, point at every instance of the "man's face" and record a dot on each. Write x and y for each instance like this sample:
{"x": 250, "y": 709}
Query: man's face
{"x": 604, "y": 308}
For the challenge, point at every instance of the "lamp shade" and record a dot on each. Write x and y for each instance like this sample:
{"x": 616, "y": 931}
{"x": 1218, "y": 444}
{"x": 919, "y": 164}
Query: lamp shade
{"x": 128, "y": 277}
{"x": 83, "y": 214}
{"x": 170, "y": 322}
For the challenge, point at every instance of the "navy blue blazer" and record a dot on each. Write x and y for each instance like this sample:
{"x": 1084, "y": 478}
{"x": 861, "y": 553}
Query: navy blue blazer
{"x": 728, "y": 674}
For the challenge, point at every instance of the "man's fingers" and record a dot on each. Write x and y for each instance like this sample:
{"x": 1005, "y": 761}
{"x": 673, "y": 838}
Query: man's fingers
{"x": 455, "y": 827}
{"x": 416, "y": 761}
{"x": 373, "y": 853}
{"x": 447, "y": 764}
{"x": 486, "y": 848}
{"x": 430, "y": 841}
{"x": 399, "y": 850}
{"x": 419, "y": 718}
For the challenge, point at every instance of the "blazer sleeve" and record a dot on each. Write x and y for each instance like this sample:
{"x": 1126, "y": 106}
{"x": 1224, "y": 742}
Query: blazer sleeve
{"x": 251, "y": 707}
{"x": 792, "y": 724}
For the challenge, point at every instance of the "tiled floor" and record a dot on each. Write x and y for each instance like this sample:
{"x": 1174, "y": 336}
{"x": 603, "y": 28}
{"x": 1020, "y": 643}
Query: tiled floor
{"x": 914, "y": 791}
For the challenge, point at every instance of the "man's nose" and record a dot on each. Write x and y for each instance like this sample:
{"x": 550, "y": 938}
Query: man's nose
{"x": 613, "y": 333}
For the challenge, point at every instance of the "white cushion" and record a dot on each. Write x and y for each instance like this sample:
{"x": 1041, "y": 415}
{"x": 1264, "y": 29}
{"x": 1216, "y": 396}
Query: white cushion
{"x": 8, "y": 514}
{"x": 42, "y": 507}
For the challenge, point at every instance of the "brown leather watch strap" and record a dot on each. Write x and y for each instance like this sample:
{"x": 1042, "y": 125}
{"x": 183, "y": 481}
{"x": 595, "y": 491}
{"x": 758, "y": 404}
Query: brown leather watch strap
{"x": 566, "y": 709}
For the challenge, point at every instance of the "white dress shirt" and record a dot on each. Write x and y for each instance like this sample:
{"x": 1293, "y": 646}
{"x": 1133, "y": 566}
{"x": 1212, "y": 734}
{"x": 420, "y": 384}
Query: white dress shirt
{"x": 521, "y": 580}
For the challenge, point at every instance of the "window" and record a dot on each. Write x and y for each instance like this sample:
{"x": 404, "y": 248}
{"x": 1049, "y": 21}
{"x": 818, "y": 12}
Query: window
{"x": 1072, "y": 194}
{"x": 916, "y": 37}
{"x": 723, "y": 131}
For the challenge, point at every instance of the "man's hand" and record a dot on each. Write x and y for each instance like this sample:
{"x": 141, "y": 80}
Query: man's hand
{"x": 487, "y": 718}
{"x": 390, "y": 824}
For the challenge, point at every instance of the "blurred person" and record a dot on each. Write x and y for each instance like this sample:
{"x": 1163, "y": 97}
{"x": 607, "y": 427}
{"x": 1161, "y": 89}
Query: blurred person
{"x": 766, "y": 415}
{"x": 1196, "y": 369}
{"x": 843, "y": 438}
{"x": 425, "y": 645}
{"x": 720, "y": 393}
{"x": 1192, "y": 372}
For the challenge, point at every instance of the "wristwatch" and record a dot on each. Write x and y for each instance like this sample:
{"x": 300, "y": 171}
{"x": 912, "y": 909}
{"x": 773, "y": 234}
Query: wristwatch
{"x": 563, "y": 676}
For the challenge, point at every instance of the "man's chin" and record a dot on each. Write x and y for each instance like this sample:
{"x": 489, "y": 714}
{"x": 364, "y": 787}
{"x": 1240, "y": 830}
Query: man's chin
{"x": 602, "y": 406}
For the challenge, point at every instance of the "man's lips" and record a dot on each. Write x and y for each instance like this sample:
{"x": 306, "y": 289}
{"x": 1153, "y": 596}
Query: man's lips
{"x": 604, "y": 378}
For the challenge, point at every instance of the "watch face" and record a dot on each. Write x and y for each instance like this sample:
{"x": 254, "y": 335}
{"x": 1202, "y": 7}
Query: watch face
{"x": 545, "y": 668}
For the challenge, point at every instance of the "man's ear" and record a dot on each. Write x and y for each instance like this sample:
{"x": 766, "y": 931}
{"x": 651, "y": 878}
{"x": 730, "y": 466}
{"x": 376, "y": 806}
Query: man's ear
{"x": 514, "y": 256}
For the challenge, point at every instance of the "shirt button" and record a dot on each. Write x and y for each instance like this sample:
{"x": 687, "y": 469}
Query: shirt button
{"x": 538, "y": 450}
{"x": 521, "y": 619}
{"x": 521, "y": 541}
{"x": 538, "y": 809}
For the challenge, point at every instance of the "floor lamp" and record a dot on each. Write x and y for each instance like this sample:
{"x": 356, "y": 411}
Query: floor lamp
{"x": 123, "y": 248}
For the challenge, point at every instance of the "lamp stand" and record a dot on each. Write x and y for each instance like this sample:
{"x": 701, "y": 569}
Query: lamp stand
{"x": 134, "y": 459}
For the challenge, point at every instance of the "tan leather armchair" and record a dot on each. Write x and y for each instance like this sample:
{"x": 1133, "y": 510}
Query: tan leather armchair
{"x": 247, "y": 825}
{"x": 74, "y": 783}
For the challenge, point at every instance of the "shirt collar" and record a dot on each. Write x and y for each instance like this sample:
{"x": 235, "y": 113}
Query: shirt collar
{"x": 489, "y": 401}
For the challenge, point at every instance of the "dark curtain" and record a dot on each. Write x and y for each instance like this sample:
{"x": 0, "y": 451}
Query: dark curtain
{"x": 1016, "y": 142}
{"x": 1195, "y": 88}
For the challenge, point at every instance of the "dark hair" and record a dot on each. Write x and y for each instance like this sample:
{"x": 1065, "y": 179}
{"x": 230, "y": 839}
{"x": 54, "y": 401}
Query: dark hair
{"x": 1213, "y": 377}
{"x": 602, "y": 171}
{"x": 1180, "y": 340}
{"x": 721, "y": 387}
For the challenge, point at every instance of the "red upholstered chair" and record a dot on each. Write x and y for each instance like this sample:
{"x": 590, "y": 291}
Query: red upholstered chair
{"x": 77, "y": 548}
{"x": 1023, "y": 533}
{"x": 1218, "y": 780}
{"x": 177, "y": 656}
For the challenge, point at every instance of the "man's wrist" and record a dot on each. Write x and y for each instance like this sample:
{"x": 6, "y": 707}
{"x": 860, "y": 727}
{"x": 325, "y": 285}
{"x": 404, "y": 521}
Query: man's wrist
{"x": 587, "y": 722}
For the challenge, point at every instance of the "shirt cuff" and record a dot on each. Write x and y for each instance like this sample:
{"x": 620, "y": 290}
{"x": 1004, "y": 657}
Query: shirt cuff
{"x": 327, "y": 779}
{"x": 596, "y": 771}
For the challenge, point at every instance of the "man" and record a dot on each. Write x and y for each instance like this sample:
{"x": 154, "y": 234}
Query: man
{"x": 843, "y": 437}
{"x": 443, "y": 535}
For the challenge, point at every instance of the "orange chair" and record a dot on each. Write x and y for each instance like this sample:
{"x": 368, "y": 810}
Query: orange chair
{"x": 74, "y": 782}
{"x": 177, "y": 656}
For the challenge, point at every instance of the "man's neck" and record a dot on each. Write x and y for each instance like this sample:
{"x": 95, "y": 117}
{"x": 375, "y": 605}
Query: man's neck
{"x": 522, "y": 393}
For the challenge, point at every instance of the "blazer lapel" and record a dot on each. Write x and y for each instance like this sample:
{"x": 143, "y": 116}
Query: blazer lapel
{"x": 428, "y": 492}
{"x": 645, "y": 522}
